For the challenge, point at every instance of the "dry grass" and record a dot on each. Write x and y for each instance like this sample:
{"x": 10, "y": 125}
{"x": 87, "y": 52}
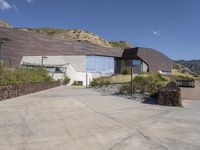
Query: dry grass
{"x": 120, "y": 79}
{"x": 178, "y": 74}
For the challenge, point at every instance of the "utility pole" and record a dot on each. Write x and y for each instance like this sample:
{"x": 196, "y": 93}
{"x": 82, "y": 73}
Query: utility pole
{"x": 131, "y": 80}
{"x": 86, "y": 80}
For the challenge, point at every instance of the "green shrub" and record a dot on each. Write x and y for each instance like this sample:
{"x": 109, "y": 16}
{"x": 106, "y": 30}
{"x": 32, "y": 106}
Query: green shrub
{"x": 23, "y": 75}
{"x": 66, "y": 80}
{"x": 94, "y": 83}
{"x": 126, "y": 71}
{"x": 77, "y": 83}
{"x": 125, "y": 89}
{"x": 145, "y": 83}
{"x": 100, "y": 82}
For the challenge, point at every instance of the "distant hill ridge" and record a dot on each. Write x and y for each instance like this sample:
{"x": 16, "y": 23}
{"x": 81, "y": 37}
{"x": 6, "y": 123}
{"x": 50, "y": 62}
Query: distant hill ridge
{"x": 193, "y": 65}
{"x": 73, "y": 34}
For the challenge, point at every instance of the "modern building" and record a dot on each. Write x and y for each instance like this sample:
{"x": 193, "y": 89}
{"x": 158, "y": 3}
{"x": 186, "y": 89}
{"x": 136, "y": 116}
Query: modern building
{"x": 81, "y": 60}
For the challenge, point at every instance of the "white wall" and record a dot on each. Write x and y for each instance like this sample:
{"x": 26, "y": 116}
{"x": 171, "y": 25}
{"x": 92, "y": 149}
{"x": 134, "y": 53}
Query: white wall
{"x": 78, "y": 62}
{"x": 144, "y": 67}
{"x": 75, "y": 67}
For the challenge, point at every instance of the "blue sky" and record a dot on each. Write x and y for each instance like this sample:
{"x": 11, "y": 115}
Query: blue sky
{"x": 170, "y": 26}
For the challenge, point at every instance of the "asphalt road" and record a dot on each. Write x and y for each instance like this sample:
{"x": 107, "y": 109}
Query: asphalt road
{"x": 191, "y": 93}
{"x": 80, "y": 119}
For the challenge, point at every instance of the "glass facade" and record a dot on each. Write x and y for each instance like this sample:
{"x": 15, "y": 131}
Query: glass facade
{"x": 136, "y": 62}
{"x": 56, "y": 69}
{"x": 100, "y": 65}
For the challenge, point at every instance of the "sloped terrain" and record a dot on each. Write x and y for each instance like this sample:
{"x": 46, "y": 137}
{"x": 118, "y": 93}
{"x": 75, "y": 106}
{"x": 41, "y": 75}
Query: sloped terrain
{"x": 79, "y": 35}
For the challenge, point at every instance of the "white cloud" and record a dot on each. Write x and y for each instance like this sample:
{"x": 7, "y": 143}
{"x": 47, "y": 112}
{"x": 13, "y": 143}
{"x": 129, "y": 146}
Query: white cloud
{"x": 15, "y": 7}
{"x": 156, "y": 32}
{"x": 4, "y": 5}
{"x": 29, "y": 1}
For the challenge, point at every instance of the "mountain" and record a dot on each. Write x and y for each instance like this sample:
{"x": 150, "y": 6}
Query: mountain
{"x": 193, "y": 65}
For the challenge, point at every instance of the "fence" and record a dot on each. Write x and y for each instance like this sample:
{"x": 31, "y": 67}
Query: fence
{"x": 186, "y": 83}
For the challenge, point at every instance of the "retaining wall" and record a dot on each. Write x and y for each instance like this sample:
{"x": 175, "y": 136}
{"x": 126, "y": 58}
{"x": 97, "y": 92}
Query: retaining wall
{"x": 11, "y": 91}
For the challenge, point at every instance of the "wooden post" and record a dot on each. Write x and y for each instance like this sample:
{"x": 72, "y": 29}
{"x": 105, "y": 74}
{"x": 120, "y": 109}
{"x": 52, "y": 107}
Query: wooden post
{"x": 0, "y": 52}
{"x": 86, "y": 80}
{"x": 131, "y": 81}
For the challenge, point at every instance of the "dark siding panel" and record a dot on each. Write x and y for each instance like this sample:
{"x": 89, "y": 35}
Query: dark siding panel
{"x": 155, "y": 60}
{"x": 24, "y": 43}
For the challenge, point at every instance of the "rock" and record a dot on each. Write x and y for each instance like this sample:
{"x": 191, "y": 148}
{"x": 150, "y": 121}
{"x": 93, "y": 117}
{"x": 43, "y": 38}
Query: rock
{"x": 170, "y": 95}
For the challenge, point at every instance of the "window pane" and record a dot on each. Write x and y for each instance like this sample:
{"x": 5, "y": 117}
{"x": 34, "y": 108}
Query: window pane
{"x": 100, "y": 65}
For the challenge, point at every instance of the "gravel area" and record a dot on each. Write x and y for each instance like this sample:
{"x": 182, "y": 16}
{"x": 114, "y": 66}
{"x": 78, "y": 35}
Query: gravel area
{"x": 114, "y": 89}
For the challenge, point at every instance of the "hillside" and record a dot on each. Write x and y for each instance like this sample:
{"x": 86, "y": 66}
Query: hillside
{"x": 5, "y": 24}
{"x": 73, "y": 34}
{"x": 79, "y": 35}
{"x": 193, "y": 65}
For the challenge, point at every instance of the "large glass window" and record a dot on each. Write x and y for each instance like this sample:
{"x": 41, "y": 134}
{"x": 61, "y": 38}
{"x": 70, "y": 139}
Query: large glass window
{"x": 100, "y": 65}
{"x": 136, "y": 62}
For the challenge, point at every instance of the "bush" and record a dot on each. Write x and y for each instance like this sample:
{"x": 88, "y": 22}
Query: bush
{"x": 23, "y": 75}
{"x": 126, "y": 71}
{"x": 66, "y": 80}
{"x": 100, "y": 82}
{"x": 125, "y": 89}
{"x": 77, "y": 83}
{"x": 145, "y": 83}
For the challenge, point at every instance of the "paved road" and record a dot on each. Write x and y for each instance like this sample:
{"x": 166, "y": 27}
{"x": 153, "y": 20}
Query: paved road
{"x": 80, "y": 119}
{"x": 191, "y": 93}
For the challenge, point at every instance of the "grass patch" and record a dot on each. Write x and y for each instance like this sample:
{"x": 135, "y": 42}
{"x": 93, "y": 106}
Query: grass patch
{"x": 115, "y": 79}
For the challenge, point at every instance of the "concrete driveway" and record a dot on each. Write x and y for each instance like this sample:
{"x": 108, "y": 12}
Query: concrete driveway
{"x": 80, "y": 119}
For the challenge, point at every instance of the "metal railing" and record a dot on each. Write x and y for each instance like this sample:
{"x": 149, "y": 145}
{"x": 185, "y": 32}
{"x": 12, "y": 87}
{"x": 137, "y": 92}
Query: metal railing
{"x": 186, "y": 83}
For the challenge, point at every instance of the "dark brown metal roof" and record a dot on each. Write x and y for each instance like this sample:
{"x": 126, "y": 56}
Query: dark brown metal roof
{"x": 25, "y": 43}
{"x": 154, "y": 59}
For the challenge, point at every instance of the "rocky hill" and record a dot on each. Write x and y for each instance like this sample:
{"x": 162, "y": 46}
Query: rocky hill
{"x": 193, "y": 65}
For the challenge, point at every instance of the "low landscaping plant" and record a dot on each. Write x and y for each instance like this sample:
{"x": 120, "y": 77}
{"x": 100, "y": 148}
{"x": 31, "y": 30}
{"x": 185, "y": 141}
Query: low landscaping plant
{"x": 23, "y": 75}
{"x": 126, "y": 71}
{"x": 66, "y": 80}
{"x": 77, "y": 83}
{"x": 149, "y": 82}
{"x": 100, "y": 82}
